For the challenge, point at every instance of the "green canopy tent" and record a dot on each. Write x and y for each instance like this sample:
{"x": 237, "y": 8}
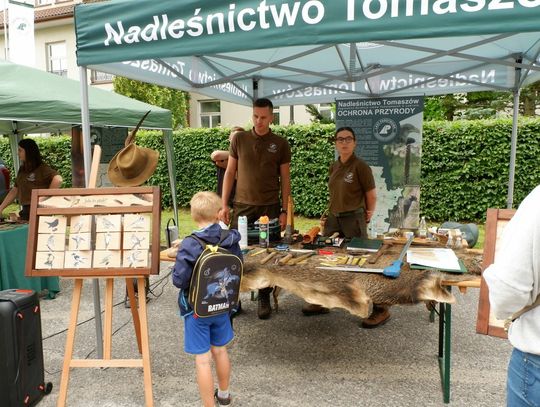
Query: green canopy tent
{"x": 34, "y": 101}
{"x": 310, "y": 51}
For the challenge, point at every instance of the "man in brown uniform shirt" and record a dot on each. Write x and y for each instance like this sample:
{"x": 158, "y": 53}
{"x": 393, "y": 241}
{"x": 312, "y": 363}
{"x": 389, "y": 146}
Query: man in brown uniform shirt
{"x": 261, "y": 160}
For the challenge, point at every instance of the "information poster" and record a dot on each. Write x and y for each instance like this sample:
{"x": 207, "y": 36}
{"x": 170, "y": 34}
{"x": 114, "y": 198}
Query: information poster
{"x": 389, "y": 138}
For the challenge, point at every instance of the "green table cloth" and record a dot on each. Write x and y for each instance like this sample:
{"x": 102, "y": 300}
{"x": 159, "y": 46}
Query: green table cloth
{"x": 13, "y": 241}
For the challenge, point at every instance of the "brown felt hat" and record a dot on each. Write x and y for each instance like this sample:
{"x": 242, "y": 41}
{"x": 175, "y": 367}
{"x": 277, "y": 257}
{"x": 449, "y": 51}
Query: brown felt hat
{"x": 132, "y": 166}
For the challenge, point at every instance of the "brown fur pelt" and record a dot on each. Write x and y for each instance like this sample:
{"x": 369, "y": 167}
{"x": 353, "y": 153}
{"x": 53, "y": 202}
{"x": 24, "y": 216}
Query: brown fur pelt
{"x": 355, "y": 292}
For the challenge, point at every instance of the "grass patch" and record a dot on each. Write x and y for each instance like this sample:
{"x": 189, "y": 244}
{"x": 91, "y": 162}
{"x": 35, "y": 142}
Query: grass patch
{"x": 187, "y": 226}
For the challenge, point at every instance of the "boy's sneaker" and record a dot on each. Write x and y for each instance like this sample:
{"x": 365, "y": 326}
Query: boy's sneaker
{"x": 222, "y": 402}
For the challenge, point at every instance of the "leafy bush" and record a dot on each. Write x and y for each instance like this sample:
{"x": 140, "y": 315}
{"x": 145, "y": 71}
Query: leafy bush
{"x": 465, "y": 164}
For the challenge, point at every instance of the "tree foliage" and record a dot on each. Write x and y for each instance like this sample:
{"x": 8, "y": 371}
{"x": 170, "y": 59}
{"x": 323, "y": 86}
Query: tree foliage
{"x": 174, "y": 100}
{"x": 464, "y": 164}
{"x": 317, "y": 116}
{"x": 481, "y": 105}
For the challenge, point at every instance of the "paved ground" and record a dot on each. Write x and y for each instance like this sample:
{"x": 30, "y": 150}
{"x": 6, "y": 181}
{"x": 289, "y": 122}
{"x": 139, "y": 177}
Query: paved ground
{"x": 289, "y": 360}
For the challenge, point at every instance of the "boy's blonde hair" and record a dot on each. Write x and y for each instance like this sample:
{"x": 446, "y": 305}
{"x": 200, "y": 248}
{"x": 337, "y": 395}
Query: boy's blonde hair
{"x": 205, "y": 206}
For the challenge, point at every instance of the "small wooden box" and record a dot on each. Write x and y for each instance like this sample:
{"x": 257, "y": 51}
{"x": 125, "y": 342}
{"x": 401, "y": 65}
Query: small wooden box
{"x": 108, "y": 223}
{"x": 108, "y": 241}
{"x": 51, "y": 242}
{"x": 78, "y": 260}
{"x": 135, "y": 258}
{"x": 52, "y": 224}
{"x": 80, "y": 241}
{"x": 137, "y": 222}
{"x": 107, "y": 258}
{"x": 49, "y": 260}
{"x": 136, "y": 240}
{"x": 80, "y": 224}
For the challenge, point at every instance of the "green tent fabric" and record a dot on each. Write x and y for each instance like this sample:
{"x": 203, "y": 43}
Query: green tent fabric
{"x": 33, "y": 101}
{"x": 313, "y": 51}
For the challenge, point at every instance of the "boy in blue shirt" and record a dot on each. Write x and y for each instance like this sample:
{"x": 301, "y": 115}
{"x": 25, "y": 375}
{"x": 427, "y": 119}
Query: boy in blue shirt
{"x": 206, "y": 338}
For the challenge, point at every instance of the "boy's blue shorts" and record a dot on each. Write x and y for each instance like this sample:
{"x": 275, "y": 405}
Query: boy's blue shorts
{"x": 201, "y": 333}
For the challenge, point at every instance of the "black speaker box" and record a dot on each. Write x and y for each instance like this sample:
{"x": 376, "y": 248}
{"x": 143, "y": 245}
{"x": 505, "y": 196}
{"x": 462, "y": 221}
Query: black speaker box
{"x": 21, "y": 351}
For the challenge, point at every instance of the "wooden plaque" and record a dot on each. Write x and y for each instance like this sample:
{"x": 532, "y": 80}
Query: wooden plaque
{"x": 89, "y": 232}
{"x": 496, "y": 220}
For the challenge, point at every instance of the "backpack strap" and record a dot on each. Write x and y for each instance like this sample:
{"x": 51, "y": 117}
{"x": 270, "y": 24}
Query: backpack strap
{"x": 199, "y": 240}
{"x": 224, "y": 235}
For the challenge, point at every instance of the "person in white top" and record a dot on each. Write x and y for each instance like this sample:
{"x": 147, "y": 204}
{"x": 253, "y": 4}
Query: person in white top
{"x": 514, "y": 283}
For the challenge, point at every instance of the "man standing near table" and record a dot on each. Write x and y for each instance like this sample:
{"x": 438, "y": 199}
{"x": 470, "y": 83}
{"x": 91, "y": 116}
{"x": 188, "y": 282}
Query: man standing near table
{"x": 261, "y": 160}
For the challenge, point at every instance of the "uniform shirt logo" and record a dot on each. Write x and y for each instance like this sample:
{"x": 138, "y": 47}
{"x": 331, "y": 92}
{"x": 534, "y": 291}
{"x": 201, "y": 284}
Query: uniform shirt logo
{"x": 31, "y": 177}
{"x": 272, "y": 148}
{"x": 348, "y": 178}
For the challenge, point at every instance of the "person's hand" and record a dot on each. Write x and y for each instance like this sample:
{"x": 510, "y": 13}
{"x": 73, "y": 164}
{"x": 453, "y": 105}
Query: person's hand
{"x": 369, "y": 214}
{"x": 225, "y": 215}
{"x": 283, "y": 220}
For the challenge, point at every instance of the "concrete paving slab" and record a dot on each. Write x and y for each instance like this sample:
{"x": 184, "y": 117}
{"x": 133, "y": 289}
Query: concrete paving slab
{"x": 289, "y": 360}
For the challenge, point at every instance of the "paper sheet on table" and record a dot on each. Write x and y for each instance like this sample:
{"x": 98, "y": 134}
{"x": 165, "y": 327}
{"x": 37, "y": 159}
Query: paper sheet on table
{"x": 438, "y": 258}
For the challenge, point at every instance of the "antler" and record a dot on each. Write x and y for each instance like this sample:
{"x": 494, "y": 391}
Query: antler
{"x": 131, "y": 137}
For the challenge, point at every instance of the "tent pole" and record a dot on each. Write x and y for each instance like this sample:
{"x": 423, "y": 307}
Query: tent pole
{"x": 169, "y": 150}
{"x": 85, "y": 120}
{"x": 14, "y": 139}
{"x": 513, "y": 143}
{"x": 255, "y": 83}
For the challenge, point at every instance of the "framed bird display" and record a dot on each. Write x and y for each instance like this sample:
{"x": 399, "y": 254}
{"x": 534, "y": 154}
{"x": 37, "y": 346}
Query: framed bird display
{"x": 94, "y": 232}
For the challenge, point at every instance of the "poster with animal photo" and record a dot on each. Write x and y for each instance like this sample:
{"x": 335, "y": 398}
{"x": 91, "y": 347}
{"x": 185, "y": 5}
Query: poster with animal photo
{"x": 388, "y": 134}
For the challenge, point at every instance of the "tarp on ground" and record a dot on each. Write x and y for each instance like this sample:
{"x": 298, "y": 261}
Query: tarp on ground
{"x": 34, "y": 101}
{"x": 310, "y": 51}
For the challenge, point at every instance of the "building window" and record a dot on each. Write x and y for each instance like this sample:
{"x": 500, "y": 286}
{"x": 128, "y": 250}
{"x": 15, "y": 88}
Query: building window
{"x": 44, "y": 2}
{"x": 56, "y": 58}
{"x": 210, "y": 113}
{"x": 101, "y": 77}
{"x": 327, "y": 110}
{"x": 276, "y": 116}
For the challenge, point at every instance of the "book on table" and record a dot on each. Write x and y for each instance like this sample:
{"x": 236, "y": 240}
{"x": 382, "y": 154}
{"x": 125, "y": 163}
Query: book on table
{"x": 435, "y": 258}
{"x": 364, "y": 245}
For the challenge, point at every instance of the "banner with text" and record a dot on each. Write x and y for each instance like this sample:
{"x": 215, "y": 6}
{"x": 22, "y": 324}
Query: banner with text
{"x": 389, "y": 138}
{"x": 21, "y": 33}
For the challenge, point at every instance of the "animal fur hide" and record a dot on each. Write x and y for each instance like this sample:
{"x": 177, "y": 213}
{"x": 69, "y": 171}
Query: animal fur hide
{"x": 355, "y": 292}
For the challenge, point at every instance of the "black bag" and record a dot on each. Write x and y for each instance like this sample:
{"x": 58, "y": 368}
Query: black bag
{"x": 21, "y": 352}
{"x": 216, "y": 278}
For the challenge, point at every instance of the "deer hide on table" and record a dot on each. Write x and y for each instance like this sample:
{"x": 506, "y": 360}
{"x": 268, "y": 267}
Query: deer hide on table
{"x": 355, "y": 292}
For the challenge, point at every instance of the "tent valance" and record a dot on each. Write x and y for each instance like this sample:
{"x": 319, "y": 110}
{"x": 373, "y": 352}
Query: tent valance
{"x": 314, "y": 51}
{"x": 118, "y": 31}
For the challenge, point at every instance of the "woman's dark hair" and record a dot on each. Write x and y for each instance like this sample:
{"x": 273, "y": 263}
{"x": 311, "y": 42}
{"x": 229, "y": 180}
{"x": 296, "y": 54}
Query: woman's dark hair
{"x": 345, "y": 128}
{"x": 33, "y": 156}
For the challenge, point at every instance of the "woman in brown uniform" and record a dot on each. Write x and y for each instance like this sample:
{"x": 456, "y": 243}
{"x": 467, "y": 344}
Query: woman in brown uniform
{"x": 352, "y": 204}
{"x": 352, "y": 190}
{"x": 33, "y": 173}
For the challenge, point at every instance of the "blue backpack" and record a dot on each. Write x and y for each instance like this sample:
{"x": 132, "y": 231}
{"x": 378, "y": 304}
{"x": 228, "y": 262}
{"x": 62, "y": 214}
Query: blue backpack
{"x": 216, "y": 278}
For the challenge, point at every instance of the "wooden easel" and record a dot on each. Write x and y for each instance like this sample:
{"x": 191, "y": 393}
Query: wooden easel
{"x": 139, "y": 313}
{"x": 141, "y": 329}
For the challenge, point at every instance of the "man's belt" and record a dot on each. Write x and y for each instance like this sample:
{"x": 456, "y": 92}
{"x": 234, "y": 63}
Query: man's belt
{"x": 358, "y": 211}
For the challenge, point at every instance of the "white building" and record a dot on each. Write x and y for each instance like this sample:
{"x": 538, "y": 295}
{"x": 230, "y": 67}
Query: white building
{"x": 55, "y": 52}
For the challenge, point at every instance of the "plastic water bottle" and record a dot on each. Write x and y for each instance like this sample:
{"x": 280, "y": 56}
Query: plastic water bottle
{"x": 243, "y": 229}
{"x": 264, "y": 235}
{"x": 422, "y": 228}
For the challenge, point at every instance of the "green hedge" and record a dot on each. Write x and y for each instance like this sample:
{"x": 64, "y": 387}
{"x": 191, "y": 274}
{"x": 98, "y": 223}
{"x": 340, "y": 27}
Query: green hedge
{"x": 464, "y": 164}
